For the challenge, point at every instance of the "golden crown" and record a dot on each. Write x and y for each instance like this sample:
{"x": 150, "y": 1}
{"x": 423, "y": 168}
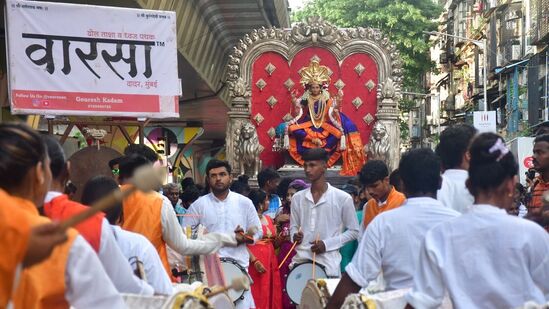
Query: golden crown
{"x": 314, "y": 74}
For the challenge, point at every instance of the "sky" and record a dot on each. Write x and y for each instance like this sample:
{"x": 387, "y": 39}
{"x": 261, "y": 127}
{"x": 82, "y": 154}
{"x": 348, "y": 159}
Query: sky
{"x": 296, "y": 4}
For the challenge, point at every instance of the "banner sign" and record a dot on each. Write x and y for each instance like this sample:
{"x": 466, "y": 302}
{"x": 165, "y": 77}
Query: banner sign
{"x": 485, "y": 121}
{"x": 68, "y": 59}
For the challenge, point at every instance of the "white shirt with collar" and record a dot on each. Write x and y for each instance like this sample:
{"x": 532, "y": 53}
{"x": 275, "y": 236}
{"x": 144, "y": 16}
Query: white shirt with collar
{"x": 137, "y": 245}
{"x": 328, "y": 218}
{"x": 483, "y": 259}
{"x": 113, "y": 260}
{"x": 453, "y": 193}
{"x": 223, "y": 217}
{"x": 392, "y": 241}
{"x": 175, "y": 238}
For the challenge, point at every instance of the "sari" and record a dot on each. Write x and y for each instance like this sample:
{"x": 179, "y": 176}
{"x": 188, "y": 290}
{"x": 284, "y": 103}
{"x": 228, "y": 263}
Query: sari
{"x": 266, "y": 287}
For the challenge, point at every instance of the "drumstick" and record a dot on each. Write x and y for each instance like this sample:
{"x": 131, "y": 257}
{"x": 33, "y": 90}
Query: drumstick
{"x": 249, "y": 234}
{"x": 240, "y": 283}
{"x": 290, "y": 251}
{"x": 314, "y": 257}
{"x": 145, "y": 179}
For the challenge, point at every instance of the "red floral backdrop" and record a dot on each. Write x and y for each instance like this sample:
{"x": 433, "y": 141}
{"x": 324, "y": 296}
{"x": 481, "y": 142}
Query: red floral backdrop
{"x": 271, "y": 99}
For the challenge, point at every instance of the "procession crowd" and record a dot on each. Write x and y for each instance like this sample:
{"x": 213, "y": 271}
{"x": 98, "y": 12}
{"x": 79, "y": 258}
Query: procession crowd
{"x": 453, "y": 222}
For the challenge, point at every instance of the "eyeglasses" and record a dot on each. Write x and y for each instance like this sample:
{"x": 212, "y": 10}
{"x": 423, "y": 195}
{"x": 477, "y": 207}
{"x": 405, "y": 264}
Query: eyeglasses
{"x": 115, "y": 171}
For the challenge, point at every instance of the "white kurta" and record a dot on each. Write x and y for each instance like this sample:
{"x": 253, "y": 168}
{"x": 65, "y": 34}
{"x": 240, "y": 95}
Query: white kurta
{"x": 175, "y": 238}
{"x": 453, "y": 193}
{"x": 328, "y": 218}
{"x": 223, "y": 217}
{"x": 114, "y": 262}
{"x": 137, "y": 245}
{"x": 392, "y": 241}
{"x": 484, "y": 259}
{"x": 87, "y": 284}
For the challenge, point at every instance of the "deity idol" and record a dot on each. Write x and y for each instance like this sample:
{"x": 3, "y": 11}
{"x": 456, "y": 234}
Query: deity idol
{"x": 319, "y": 123}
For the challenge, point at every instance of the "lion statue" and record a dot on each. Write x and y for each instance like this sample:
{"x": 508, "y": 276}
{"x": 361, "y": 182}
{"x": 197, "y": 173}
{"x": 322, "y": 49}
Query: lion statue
{"x": 378, "y": 146}
{"x": 247, "y": 149}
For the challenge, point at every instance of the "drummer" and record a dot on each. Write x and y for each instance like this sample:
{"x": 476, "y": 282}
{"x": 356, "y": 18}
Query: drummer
{"x": 72, "y": 275}
{"x": 224, "y": 211}
{"x": 392, "y": 241}
{"x": 152, "y": 216}
{"x": 319, "y": 214}
{"x": 132, "y": 245}
{"x": 96, "y": 230}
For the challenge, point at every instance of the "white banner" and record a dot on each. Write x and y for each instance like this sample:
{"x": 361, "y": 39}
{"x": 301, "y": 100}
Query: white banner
{"x": 485, "y": 121}
{"x": 68, "y": 59}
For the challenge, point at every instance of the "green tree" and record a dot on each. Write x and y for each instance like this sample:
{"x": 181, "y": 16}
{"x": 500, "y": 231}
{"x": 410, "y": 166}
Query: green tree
{"x": 403, "y": 21}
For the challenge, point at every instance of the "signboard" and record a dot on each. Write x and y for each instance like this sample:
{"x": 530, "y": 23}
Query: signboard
{"x": 485, "y": 121}
{"x": 521, "y": 147}
{"x": 68, "y": 59}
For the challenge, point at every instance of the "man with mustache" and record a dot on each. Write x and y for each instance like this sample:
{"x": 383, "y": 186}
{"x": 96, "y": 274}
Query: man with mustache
{"x": 536, "y": 210}
{"x": 224, "y": 211}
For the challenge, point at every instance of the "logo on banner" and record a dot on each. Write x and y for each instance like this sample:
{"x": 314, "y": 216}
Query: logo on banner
{"x": 528, "y": 162}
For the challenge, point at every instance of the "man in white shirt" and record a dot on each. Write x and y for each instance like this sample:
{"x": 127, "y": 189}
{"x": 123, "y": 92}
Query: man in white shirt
{"x": 485, "y": 258}
{"x": 153, "y": 216}
{"x": 392, "y": 240}
{"x": 224, "y": 211}
{"x": 453, "y": 150}
{"x": 319, "y": 215}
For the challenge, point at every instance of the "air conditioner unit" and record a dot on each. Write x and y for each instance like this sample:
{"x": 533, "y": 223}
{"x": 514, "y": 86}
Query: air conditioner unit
{"x": 516, "y": 52}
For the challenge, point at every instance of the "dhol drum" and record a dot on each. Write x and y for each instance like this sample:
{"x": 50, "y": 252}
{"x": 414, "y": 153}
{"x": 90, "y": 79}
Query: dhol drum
{"x": 298, "y": 277}
{"x": 317, "y": 293}
{"x": 221, "y": 301}
{"x": 232, "y": 270}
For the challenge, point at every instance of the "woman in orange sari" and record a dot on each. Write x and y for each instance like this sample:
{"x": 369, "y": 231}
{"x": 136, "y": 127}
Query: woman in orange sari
{"x": 266, "y": 287}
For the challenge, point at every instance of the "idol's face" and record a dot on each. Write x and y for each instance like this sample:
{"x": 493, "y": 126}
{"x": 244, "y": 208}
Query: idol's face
{"x": 315, "y": 89}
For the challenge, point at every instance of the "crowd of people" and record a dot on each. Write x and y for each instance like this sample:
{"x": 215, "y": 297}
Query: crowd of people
{"x": 453, "y": 222}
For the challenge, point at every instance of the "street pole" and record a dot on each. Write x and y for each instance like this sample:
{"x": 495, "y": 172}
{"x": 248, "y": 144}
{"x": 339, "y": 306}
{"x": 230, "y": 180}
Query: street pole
{"x": 485, "y": 82}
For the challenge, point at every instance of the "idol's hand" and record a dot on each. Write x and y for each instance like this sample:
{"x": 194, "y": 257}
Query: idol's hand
{"x": 294, "y": 97}
{"x": 338, "y": 99}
